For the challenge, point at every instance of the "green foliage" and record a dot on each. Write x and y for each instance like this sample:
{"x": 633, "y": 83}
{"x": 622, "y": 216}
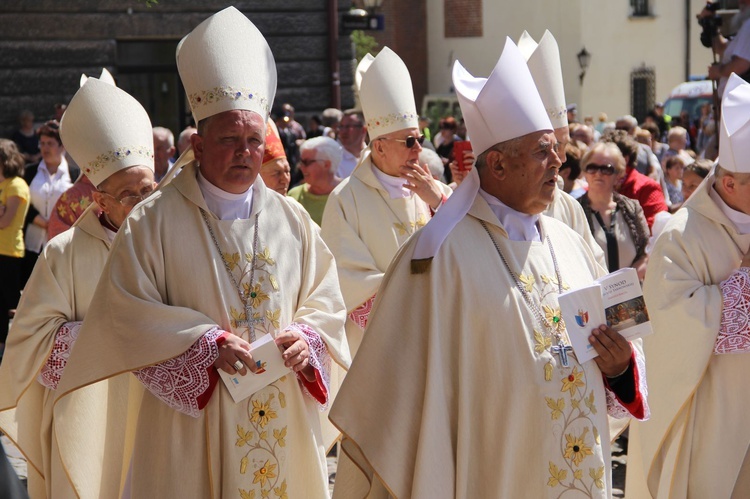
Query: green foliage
{"x": 149, "y": 3}
{"x": 363, "y": 44}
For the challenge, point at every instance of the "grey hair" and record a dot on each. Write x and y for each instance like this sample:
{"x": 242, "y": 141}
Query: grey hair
{"x": 326, "y": 149}
{"x": 629, "y": 119}
{"x": 164, "y": 133}
{"x": 510, "y": 148}
{"x": 720, "y": 172}
{"x": 433, "y": 162}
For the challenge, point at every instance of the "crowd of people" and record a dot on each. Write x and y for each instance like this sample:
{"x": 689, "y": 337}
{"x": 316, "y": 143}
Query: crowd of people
{"x": 407, "y": 275}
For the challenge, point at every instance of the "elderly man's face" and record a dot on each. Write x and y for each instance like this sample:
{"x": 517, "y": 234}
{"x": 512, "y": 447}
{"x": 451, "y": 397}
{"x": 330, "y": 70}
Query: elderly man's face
{"x": 230, "y": 151}
{"x": 351, "y": 131}
{"x": 123, "y": 190}
{"x": 528, "y": 181}
{"x": 276, "y": 175}
{"x": 392, "y": 151}
{"x": 562, "y": 135}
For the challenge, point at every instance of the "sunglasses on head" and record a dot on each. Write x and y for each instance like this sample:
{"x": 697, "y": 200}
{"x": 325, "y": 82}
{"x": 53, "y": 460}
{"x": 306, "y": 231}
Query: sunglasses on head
{"x": 409, "y": 141}
{"x": 603, "y": 169}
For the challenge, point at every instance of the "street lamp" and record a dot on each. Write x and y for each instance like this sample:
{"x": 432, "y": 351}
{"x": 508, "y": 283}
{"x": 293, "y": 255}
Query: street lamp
{"x": 584, "y": 58}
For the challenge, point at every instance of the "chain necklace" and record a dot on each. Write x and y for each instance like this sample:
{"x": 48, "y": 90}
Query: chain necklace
{"x": 246, "y": 299}
{"x": 408, "y": 227}
{"x": 560, "y": 348}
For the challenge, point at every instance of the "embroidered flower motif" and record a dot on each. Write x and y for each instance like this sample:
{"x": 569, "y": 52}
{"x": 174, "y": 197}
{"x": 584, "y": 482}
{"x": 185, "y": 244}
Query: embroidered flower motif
{"x": 281, "y": 491}
{"x": 273, "y": 316}
{"x": 556, "y": 475}
{"x": 589, "y": 401}
{"x": 540, "y": 342}
{"x": 557, "y": 406}
{"x": 392, "y": 118}
{"x": 597, "y": 475}
{"x": 243, "y": 437}
{"x": 108, "y": 157}
{"x": 265, "y": 256}
{"x": 227, "y": 92}
{"x": 255, "y": 295}
{"x": 262, "y": 413}
{"x": 572, "y": 381}
{"x": 578, "y": 474}
{"x": 576, "y": 449}
{"x": 231, "y": 259}
{"x": 528, "y": 282}
{"x": 264, "y": 473}
{"x": 265, "y": 492}
{"x": 554, "y": 317}
{"x": 280, "y": 435}
{"x": 247, "y": 494}
{"x": 243, "y": 465}
{"x": 548, "y": 371}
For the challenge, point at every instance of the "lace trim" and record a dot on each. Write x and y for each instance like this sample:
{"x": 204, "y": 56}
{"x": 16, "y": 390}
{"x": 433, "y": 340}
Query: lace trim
{"x": 52, "y": 370}
{"x": 178, "y": 382}
{"x": 320, "y": 359}
{"x": 734, "y": 331}
{"x": 615, "y": 408}
{"x": 361, "y": 314}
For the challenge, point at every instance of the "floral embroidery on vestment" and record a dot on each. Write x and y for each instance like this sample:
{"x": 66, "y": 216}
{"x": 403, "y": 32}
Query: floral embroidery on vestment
{"x": 734, "y": 331}
{"x": 52, "y": 370}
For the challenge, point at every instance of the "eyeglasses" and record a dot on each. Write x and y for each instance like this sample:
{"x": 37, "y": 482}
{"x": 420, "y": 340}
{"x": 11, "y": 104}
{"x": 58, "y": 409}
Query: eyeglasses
{"x": 408, "y": 141}
{"x": 132, "y": 200}
{"x": 349, "y": 126}
{"x": 308, "y": 162}
{"x": 603, "y": 169}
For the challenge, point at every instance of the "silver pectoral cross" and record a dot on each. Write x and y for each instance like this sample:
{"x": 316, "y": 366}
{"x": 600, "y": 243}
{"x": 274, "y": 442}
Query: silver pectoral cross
{"x": 249, "y": 322}
{"x": 562, "y": 351}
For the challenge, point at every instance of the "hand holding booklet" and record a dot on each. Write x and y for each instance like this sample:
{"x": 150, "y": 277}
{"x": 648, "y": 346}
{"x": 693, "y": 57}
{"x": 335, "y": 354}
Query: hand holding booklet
{"x": 616, "y": 300}
{"x": 270, "y": 367}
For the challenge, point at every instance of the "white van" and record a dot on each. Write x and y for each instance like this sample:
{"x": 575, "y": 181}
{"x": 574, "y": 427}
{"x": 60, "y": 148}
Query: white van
{"x": 689, "y": 96}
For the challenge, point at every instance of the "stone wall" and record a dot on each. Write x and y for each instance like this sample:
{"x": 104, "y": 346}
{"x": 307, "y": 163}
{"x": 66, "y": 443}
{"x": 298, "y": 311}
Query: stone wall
{"x": 45, "y": 46}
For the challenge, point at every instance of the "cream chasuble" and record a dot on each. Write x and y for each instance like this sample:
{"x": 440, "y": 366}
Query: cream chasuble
{"x": 59, "y": 291}
{"x": 698, "y": 437}
{"x": 364, "y": 228}
{"x": 568, "y": 210}
{"x": 473, "y": 404}
{"x": 164, "y": 286}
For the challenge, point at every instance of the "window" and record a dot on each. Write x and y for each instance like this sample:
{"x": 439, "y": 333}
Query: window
{"x": 642, "y": 92}
{"x": 639, "y": 8}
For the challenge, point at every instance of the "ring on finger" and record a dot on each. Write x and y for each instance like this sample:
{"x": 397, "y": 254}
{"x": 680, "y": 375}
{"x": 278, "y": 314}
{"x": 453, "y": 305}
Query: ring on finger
{"x": 238, "y": 365}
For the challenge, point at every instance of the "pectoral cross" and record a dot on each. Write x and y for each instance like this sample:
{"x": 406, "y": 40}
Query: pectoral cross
{"x": 249, "y": 321}
{"x": 562, "y": 351}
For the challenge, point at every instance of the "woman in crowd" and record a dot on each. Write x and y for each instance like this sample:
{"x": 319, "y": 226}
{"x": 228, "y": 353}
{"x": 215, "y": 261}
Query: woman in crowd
{"x": 14, "y": 202}
{"x": 617, "y": 222}
{"x": 674, "y": 166}
{"x": 693, "y": 175}
{"x": 444, "y": 146}
{"x": 47, "y": 180}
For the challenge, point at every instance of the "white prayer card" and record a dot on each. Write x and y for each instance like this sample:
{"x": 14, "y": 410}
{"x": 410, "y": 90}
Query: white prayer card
{"x": 582, "y": 310}
{"x": 270, "y": 366}
{"x": 624, "y": 306}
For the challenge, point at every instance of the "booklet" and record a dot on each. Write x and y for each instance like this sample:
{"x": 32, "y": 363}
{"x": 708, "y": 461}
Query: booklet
{"x": 270, "y": 366}
{"x": 615, "y": 299}
{"x": 582, "y": 310}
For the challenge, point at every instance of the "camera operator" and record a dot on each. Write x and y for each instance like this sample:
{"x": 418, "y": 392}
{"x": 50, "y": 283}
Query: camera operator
{"x": 734, "y": 53}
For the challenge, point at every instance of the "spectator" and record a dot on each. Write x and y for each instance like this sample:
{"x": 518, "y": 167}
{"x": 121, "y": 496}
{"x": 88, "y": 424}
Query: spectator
{"x": 674, "y": 166}
{"x": 331, "y": 121}
{"x": 583, "y": 134}
{"x": 657, "y": 147}
{"x": 571, "y": 170}
{"x": 734, "y": 53}
{"x": 693, "y": 175}
{"x": 320, "y": 158}
{"x": 163, "y": 151}
{"x": 25, "y": 137}
{"x": 434, "y": 163}
{"x": 352, "y": 133}
{"x": 617, "y": 222}
{"x": 646, "y": 162}
{"x": 47, "y": 180}
{"x": 183, "y": 141}
{"x": 59, "y": 111}
{"x": 14, "y": 203}
{"x": 635, "y": 185}
{"x": 572, "y": 110}
{"x": 448, "y": 137}
{"x": 315, "y": 128}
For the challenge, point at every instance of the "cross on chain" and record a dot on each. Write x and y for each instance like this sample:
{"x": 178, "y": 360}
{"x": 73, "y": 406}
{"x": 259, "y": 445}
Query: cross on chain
{"x": 249, "y": 321}
{"x": 562, "y": 352}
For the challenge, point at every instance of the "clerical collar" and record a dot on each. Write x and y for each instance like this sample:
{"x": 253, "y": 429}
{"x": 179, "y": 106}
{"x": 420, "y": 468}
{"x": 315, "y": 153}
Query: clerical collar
{"x": 519, "y": 226}
{"x": 223, "y": 204}
{"x": 739, "y": 219}
{"x": 394, "y": 186}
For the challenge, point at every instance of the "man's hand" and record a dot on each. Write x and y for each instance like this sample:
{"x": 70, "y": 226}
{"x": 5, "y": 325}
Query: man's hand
{"x": 234, "y": 349}
{"x": 614, "y": 350}
{"x": 714, "y": 71}
{"x": 419, "y": 180}
{"x": 296, "y": 353}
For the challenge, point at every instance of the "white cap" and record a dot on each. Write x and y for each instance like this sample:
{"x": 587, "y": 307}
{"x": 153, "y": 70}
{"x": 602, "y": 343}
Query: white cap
{"x": 544, "y": 63}
{"x": 734, "y": 138}
{"x": 502, "y": 107}
{"x": 226, "y": 64}
{"x": 106, "y": 130}
{"x": 386, "y": 95}
{"x": 496, "y": 109}
{"x": 527, "y": 45}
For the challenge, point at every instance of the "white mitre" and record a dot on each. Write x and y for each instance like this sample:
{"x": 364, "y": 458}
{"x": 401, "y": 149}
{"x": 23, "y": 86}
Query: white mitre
{"x": 226, "y": 64}
{"x": 544, "y": 63}
{"x": 386, "y": 94}
{"x": 502, "y": 107}
{"x": 106, "y": 130}
{"x": 734, "y": 139}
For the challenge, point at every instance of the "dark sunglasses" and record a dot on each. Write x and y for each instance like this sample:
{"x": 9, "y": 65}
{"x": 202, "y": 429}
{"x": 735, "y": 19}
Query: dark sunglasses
{"x": 604, "y": 169}
{"x": 408, "y": 141}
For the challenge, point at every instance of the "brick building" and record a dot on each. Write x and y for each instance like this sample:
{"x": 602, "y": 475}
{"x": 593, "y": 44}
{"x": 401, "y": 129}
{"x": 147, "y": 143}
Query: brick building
{"x": 45, "y": 46}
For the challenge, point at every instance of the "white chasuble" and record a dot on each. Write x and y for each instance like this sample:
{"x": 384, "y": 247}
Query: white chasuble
{"x": 64, "y": 455}
{"x": 474, "y": 404}
{"x": 364, "y": 228}
{"x": 696, "y": 443}
{"x": 166, "y": 285}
